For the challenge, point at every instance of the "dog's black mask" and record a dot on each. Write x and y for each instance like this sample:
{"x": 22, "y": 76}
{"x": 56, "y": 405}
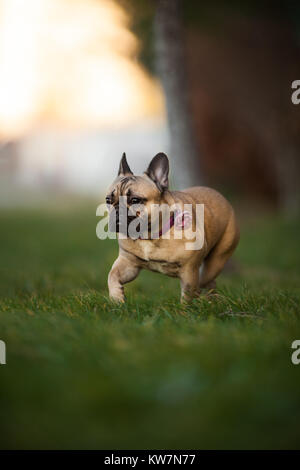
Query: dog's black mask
{"x": 120, "y": 219}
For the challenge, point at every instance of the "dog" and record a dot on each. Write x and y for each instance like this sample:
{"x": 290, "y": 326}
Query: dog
{"x": 198, "y": 268}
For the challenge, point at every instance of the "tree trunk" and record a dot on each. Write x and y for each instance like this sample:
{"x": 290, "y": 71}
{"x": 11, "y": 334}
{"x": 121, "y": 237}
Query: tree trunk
{"x": 170, "y": 61}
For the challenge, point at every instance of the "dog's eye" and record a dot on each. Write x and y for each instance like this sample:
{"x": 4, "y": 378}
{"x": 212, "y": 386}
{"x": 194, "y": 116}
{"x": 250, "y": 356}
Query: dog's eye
{"x": 108, "y": 200}
{"x": 136, "y": 200}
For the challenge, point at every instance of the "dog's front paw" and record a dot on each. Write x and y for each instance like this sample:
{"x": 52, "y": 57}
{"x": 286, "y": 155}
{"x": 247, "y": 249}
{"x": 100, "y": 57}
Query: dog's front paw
{"x": 120, "y": 299}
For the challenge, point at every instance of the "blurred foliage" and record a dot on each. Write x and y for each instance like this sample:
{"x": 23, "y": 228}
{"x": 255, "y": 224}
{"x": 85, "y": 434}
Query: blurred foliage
{"x": 209, "y": 15}
{"x": 141, "y": 15}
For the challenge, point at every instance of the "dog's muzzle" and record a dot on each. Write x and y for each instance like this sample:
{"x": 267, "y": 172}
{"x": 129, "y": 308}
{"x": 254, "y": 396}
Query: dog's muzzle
{"x": 119, "y": 220}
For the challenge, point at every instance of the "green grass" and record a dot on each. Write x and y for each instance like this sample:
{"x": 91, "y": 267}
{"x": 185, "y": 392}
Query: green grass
{"x": 84, "y": 373}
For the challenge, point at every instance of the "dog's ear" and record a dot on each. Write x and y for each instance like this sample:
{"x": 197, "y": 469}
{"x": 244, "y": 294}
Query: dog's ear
{"x": 158, "y": 171}
{"x": 124, "y": 167}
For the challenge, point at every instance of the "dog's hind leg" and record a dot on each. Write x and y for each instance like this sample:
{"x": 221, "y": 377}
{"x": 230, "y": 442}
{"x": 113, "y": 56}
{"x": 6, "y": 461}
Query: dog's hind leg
{"x": 216, "y": 259}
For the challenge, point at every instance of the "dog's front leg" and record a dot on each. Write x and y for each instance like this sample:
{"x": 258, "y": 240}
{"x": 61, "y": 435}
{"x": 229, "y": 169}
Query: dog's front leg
{"x": 189, "y": 280}
{"x": 122, "y": 271}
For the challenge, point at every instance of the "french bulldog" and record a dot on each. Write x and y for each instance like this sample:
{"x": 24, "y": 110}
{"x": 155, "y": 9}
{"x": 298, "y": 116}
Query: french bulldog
{"x": 164, "y": 251}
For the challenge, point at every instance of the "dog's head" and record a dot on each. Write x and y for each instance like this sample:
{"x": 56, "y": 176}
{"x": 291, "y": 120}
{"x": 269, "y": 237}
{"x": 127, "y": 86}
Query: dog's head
{"x": 136, "y": 194}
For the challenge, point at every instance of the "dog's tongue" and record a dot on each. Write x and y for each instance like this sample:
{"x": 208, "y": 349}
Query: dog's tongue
{"x": 182, "y": 220}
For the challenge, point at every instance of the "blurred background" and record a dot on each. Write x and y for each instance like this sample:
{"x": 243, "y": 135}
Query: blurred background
{"x": 209, "y": 83}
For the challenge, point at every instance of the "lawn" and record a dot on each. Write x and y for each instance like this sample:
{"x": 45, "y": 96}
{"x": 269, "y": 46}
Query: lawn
{"x": 84, "y": 373}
